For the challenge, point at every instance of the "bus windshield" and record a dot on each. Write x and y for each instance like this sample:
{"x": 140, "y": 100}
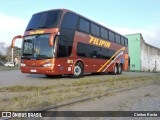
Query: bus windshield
{"x": 48, "y": 19}
{"x": 37, "y": 47}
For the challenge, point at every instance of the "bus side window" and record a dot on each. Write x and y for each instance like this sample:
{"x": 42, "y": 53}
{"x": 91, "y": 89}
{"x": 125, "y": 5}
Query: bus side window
{"x": 62, "y": 47}
{"x": 111, "y": 36}
{"x": 122, "y": 41}
{"x": 81, "y": 49}
{"x": 126, "y": 42}
{"x": 84, "y": 25}
{"x": 95, "y": 30}
{"x": 117, "y": 39}
{"x": 104, "y": 33}
{"x": 69, "y": 21}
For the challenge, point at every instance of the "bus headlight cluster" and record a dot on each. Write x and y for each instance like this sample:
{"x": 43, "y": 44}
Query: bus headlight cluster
{"x": 23, "y": 65}
{"x": 48, "y": 65}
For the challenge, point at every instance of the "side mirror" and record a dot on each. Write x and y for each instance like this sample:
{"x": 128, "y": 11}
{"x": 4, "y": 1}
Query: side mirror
{"x": 14, "y": 39}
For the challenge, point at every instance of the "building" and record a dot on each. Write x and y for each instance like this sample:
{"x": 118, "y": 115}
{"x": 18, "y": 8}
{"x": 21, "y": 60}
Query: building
{"x": 143, "y": 57}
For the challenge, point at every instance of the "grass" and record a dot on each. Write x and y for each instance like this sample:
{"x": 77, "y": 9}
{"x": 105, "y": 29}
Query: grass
{"x": 2, "y": 68}
{"x": 43, "y": 96}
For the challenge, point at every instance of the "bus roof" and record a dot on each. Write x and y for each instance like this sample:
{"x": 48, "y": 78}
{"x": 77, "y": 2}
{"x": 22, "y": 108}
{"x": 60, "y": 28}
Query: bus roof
{"x": 66, "y": 10}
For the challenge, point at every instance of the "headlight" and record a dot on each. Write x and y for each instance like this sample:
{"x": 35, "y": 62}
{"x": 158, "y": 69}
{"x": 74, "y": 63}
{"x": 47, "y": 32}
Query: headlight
{"x": 23, "y": 65}
{"x": 48, "y": 65}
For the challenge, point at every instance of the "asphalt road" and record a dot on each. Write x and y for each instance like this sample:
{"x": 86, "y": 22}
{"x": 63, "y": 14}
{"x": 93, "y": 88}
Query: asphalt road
{"x": 15, "y": 77}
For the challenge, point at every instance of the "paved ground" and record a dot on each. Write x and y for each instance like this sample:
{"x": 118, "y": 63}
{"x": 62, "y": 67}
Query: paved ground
{"x": 15, "y": 77}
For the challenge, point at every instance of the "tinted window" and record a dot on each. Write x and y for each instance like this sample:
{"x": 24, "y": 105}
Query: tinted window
{"x": 47, "y": 19}
{"x": 118, "y": 39}
{"x": 95, "y": 52}
{"x": 84, "y": 25}
{"x": 122, "y": 41}
{"x": 94, "y": 29}
{"x": 90, "y": 51}
{"x": 105, "y": 53}
{"x": 111, "y": 36}
{"x": 126, "y": 42}
{"x": 69, "y": 21}
{"x": 111, "y": 53}
{"x": 81, "y": 50}
{"x": 62, "y": 48}
{"x": 104, "y": 33}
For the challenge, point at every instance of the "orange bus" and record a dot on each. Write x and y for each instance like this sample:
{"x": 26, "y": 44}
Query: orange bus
{"x": 60, "y": 42}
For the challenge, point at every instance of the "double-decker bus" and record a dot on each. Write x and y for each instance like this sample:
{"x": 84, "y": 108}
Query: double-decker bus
{"x": 60, "y": 42}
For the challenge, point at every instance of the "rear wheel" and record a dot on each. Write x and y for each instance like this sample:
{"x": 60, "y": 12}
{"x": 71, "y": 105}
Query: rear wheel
{"x": 115, "y": 71}
{"x": 78, "y": 70}
{"x": 120, "y": 69}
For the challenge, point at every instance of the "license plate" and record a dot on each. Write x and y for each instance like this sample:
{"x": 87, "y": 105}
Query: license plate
{"x": 33, "y": 70}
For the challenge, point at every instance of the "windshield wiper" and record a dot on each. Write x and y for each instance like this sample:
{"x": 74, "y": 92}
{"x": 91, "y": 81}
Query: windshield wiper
{"x": 25, "y": 57}
{"x": 42, "y": 57}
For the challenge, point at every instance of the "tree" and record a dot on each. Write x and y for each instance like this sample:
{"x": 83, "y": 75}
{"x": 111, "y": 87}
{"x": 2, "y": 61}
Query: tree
{"x": 3, "y": 48}
{"x": 6, "y": 52}
{"x": 16, "y": 53}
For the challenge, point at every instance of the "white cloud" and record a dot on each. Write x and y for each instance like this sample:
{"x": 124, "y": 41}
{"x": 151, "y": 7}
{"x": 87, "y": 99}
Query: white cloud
{"x": 151, "y": 33}
{"x": 11, "y": 26}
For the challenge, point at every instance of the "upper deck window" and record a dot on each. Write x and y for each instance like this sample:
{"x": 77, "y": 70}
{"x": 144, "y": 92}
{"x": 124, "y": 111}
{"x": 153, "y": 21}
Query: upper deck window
{"x": 104, "y": 33}
{"x": 118, "y": 40}
{"x": 84, "y": 25}
{"x": 126, "y": 42}
{"x": 95, "y": 29}
{"x": 122, "y": 41}
{"x": 69, "y": 21}
{"x": 111, "y": 36}
{"x": 47, "y": 19}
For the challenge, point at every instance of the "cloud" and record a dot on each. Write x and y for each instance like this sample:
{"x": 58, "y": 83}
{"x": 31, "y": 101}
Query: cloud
{"x": 150, "y": 33}
{"x": 10, "y": 27}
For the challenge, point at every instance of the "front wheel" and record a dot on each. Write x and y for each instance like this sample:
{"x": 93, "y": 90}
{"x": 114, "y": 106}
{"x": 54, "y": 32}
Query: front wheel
{"x": 78, "y": 70}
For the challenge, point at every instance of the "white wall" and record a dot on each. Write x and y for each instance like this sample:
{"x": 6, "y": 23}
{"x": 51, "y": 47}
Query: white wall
{"x": 150, "y": 57}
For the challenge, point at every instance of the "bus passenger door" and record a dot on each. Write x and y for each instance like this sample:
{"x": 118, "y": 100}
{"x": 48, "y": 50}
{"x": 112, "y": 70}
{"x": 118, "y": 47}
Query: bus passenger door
{"x": 62, "y": 55}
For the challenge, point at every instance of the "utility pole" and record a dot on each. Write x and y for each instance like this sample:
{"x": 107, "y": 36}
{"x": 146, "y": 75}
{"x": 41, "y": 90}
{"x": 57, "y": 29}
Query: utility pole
{"x": 155, "y": 65}
{"x": 12, "y": 54}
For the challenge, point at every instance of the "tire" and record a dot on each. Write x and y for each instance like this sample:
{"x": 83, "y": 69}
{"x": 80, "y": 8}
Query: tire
{"x": 115, "y": 71}
{"x": 78, "y": 70}
{"x": 120, "y": 69}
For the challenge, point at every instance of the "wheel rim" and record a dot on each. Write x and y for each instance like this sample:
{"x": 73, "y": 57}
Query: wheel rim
{"x": 115, "y": 69}
{"x": 77, "y": 70}
{"x": 120, "y": 69}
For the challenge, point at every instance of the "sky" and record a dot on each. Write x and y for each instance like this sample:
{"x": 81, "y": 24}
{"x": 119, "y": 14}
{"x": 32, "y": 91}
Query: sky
{"x": 122, "y": 16}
